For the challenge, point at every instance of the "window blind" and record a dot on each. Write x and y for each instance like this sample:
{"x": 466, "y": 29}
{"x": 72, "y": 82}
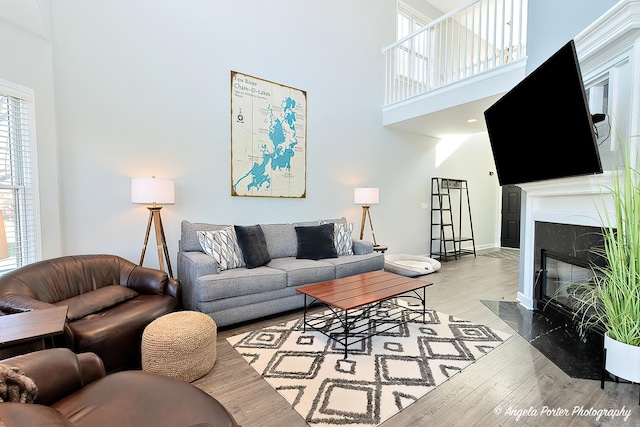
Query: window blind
{"x": 412, "y": 62}
{"x": 17, "y": 194}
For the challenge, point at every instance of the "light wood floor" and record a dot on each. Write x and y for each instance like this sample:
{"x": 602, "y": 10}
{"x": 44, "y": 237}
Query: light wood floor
{"x": 514, "y": 377}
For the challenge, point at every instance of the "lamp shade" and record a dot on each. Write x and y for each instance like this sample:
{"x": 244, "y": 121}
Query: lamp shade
{"x": 4, "y": 248}
{"x": 152, "y": 190}
{"x": 366, "y": 196}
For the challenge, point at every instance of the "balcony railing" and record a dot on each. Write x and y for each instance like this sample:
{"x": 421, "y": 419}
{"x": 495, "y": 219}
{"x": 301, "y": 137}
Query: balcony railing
{"x": 475, "y": 38}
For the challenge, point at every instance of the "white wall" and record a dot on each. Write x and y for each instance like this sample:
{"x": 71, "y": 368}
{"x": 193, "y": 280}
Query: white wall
{"x": 553, "y": 23}
{"x": 26, "y": 60}
{"x": 142, "y": 88}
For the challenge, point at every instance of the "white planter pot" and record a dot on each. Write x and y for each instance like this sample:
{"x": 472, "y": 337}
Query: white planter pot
{"x": 623, "y": 360}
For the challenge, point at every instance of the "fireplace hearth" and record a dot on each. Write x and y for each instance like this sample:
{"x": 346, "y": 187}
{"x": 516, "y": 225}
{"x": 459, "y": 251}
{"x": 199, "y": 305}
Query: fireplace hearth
{"x": 577, "y": 359}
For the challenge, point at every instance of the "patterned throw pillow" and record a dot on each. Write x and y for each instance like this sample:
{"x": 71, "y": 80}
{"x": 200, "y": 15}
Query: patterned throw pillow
{"x": 223, "y": 246}
{"x": 342, "y": 236}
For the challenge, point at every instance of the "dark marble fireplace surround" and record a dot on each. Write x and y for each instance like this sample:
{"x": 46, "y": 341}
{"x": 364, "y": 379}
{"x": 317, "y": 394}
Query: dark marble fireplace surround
{"x": 568, "y": 240}
{"x": 564, "y": 244}
{"x": 572, "y": 244}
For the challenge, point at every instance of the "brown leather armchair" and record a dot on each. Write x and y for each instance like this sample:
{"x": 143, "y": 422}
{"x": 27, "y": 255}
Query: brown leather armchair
{"x": 111, "y": 300}
{"x": 73, "y": 390}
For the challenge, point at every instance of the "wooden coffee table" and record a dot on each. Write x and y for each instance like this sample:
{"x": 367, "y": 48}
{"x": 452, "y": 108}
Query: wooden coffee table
{"x": 350, "y": 300}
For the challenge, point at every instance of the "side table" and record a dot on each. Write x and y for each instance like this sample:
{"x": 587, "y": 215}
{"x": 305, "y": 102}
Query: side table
{"x": 380, "y": 248}
{"x": 31, "y": 326}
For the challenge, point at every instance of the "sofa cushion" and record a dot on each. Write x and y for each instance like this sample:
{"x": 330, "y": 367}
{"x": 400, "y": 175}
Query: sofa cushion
{"x": 341, "y": 220}
{"x": 253, "y": 245}
{"x": 139, "y": 398}
{"x": 189, "y": 240}
{"x": 223, "y": 246}
{"x": 116, "y": 332}
{"x": 304, "y": 271}
{"x": 281, "y": 240}
{"x": 19, "y": 415}
{"x": 237, "y": 282}
{"x": 316, "y": 242}
{"x": 242, "y": 302}
{"x": 96, "y": 300}
{"x": 350, "y": 265}
{"x": 306, "y": 223}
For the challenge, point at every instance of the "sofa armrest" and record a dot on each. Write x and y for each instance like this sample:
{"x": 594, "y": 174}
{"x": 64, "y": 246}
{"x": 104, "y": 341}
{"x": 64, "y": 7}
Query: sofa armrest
{"x": 17, "y": 303}
{"x": 91, "y": 367}
{"x": 191, "y": 265}
{"x": 57, "y": 372}
{"x": 148, "y": 281}
{"x": 362, "y": 247}
{"x": 196, "y": 264}
{"x": 173, "y": 289}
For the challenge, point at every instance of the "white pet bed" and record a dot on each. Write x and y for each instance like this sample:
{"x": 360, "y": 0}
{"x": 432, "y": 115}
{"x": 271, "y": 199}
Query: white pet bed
{"x": 410, "y": 265}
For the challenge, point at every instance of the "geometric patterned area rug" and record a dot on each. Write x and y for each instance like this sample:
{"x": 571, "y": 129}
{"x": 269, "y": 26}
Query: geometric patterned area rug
{"x": 381, "y": 375}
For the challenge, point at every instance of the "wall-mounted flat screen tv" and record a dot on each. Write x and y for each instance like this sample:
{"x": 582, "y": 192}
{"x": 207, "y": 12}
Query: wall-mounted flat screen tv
{"x": 542, "y": 128}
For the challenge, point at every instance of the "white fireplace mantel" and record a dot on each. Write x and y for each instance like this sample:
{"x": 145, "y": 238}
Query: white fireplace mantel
{"x": 581, "y": 185}
{"x": 579, "y": 201}
{"x": 610, "y": 46}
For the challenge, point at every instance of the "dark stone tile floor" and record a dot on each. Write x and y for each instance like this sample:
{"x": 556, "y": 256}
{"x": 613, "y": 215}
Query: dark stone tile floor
{"x": 575, "y": 357}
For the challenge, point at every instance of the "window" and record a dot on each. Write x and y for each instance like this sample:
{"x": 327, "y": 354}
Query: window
{"x": 408, "y": 21}
{"x": 17, "y": 166}
{"x": 413, "y": 61}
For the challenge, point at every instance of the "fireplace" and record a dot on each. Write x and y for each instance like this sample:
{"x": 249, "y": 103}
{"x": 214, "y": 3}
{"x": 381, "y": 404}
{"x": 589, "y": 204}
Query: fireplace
{"x": 607, "y": 52}
{"x": 557, "y": 274}
{"x": 565, "y": 256}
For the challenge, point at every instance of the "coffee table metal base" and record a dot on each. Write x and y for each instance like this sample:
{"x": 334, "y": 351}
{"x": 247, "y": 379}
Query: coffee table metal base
{"x": 352, "y": 326}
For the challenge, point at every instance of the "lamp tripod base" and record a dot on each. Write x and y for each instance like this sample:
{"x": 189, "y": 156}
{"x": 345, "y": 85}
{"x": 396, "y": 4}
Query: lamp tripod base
{"x": 365, "y": 214}
{"x": 161, "y": 241}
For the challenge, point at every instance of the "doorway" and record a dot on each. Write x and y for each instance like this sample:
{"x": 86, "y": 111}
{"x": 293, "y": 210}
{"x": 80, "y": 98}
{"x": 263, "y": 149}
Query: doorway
{"x": 510, "y": 216}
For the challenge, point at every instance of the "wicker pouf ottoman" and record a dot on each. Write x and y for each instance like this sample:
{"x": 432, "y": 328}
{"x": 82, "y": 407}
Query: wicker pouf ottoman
{"x": 180, "y": 345}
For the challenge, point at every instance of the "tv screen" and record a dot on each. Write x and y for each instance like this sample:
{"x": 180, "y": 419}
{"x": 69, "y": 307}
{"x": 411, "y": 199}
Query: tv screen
{"x": 542, "y": 128}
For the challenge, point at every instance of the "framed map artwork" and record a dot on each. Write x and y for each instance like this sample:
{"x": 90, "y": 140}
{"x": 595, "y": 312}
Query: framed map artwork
{"x": 268, "y": 138}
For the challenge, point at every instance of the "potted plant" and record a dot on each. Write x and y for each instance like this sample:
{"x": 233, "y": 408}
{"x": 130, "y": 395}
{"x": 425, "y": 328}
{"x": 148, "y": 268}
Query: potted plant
{"x": 611, "y": 299}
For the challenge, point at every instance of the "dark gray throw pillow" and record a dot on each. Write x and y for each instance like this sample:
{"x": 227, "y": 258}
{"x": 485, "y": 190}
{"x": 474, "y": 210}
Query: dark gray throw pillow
{"x": 253, "y": 245}
{"x": 316, "y": 242}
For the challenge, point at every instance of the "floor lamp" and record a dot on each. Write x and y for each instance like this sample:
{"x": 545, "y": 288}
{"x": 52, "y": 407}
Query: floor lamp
{"x": 156, "y": 192}
{"x": 366, "y": 197}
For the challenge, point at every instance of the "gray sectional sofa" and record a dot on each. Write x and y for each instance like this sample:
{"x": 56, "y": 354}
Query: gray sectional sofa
{"x": 240, "y": 294}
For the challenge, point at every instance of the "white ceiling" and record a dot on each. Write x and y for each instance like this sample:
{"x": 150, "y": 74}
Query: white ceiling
{"x": 450, "y": 121}
{"x": 448, "y": 5}
{"x": 26, "y": 14}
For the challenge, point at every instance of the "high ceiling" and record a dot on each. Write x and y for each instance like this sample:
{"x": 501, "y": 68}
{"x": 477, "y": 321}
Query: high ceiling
{"x": 26, "y": 14}
{"x": 30, "y": 15}
{"x": 448, "y": 5}
{"x": 453, "y": 120}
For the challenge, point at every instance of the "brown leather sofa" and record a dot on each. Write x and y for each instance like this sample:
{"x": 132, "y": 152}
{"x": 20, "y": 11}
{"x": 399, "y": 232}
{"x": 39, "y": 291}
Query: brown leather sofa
{"x": 73, "y": 390}
{"x": 111, "y": 300}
